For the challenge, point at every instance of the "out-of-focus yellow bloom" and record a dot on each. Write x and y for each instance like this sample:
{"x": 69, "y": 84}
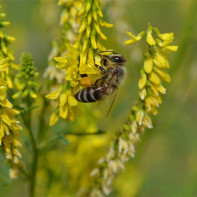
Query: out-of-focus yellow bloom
{"x": 9, "y": 126}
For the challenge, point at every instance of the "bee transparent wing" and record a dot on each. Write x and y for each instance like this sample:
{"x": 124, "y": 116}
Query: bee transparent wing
{"x": 111, "y": 105}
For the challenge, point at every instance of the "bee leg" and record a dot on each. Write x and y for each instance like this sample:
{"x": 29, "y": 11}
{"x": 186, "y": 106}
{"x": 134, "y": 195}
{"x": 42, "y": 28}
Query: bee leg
{"x": 97, "y": 81}
{"x": 83, "y": 75}
{"x": 101, "y": 68}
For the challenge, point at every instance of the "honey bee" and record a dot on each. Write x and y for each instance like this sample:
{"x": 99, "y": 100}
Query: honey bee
{"x": 113, "y": 69}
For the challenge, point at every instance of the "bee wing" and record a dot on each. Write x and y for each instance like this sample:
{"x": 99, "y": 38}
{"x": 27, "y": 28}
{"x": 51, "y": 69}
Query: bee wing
{"x": 111, "y": 105}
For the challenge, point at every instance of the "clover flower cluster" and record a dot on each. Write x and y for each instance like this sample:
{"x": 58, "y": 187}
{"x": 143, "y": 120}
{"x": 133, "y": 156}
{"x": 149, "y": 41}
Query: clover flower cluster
{"x": 150, "y": 90}
{"x": 9, "y": 126}
{"x": 80, "y": 58}
{"x": 25, "y": 79}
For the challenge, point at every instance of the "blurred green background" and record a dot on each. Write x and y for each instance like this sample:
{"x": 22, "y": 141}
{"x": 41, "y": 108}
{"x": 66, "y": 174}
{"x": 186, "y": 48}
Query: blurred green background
{"x": 166, "y": 158}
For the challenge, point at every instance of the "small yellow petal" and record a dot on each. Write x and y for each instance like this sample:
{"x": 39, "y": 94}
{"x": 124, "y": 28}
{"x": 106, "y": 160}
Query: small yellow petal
{"x": 163, "y": 75}
{"x": 148, "y": 65}
{"x": 153, "y": 77}
{"x": 143, "y": 94}
{"x": 139, "y": 116}
{"x": 53, "y": 95}
{"x": 171, "y": 48}
{"x": 166, "y": 36}
{"x": 53, "y": 119}
{"x": 147, "y": 122}
{"x": 160, "y": 61}
{"x": 142, "y": 82}
{"x": 71, "y": 100}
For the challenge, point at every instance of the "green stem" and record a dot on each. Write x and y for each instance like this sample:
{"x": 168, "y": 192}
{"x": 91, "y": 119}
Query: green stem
{"x": 56, "y": 137}
{"x": 27, "y": 122}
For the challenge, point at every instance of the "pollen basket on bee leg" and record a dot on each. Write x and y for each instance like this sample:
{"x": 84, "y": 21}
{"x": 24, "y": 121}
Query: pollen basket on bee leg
{"x": 86, "y": 81}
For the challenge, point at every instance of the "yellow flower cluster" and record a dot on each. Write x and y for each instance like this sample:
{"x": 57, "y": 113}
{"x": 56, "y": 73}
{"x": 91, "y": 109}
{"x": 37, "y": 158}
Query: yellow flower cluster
{"x": 69, "y": 22}
{"x": 89, "y": 33}
{"x": 25, "y": 79}
{"x": 64, "y": 96}
{"x": 9, "y": 126}
{"x": 150, "y": 88}
{"x": 80, "y": 58}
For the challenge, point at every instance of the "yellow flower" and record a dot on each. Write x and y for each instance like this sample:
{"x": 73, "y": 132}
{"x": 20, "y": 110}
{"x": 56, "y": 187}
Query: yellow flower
{"x": 148, "y": 64}
{"x": 149, "y": 38}
{"x": 142, "y": 82}
{"x": 134, "y": 38}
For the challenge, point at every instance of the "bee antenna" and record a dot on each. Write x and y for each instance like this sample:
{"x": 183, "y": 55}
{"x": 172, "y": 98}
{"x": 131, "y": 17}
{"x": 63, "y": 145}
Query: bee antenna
{"x": 107, "y": 51}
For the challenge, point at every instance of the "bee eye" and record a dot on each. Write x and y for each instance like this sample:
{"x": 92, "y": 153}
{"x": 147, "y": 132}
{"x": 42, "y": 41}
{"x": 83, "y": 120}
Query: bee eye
{"x": 116, "y": 59}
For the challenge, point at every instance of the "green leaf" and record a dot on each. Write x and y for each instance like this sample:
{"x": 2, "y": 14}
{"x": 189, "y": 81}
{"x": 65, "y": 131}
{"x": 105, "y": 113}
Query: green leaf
{"x": 64, "y": 140}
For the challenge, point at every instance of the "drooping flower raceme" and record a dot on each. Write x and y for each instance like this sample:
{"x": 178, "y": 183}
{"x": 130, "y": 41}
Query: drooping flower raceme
{"x": 151, "y": 87}
{"x": 80, "y": 58}
{"x": 9, "y": 126}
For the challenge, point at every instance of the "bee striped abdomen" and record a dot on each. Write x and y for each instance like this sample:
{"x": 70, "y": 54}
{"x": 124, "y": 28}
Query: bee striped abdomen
{"x": 89, "y": 95}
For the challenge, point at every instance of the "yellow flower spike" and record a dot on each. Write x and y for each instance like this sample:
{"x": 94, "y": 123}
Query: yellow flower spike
{"x": 163, "y": 75}
{"x": 171, "y": 48}
{"x": 142, "y": 82}
{"x": 149, "y": 38}
{"x": 143, "y": 93}
{"x": 8, "y": 123}
{"x": 150, "y": 88}
{"x": 53, "y": 119}
{"x": 148, "y": 65}
{"x": 153, "y": 77}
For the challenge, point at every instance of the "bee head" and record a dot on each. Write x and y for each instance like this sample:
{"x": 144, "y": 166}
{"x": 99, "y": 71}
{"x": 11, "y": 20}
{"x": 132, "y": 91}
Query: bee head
{"x": 112, "y": 58}
{"x": 117, "y": 58}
